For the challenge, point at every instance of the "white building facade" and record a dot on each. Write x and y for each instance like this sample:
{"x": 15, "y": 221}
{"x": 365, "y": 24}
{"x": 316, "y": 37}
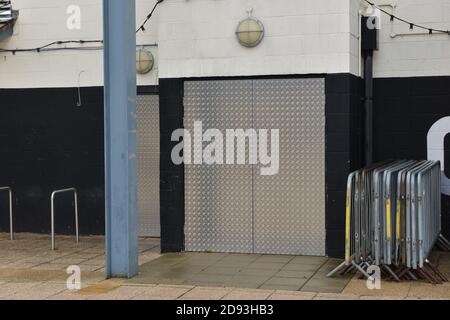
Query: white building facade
{"x": 304, "y": 78}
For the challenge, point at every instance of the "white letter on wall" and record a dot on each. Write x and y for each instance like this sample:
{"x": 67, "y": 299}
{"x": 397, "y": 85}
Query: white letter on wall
{"x": 435, "y": 145}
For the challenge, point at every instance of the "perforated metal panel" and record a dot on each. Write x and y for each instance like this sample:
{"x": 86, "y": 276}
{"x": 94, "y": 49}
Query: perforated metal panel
{"x": 232, "y": 207}
{"x": 147, "y": 112}
{"x": 289, "y": 208}
{"x": 218, "y": 198}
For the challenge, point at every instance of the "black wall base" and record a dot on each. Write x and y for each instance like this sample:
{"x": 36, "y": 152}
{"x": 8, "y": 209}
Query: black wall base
{"x": 47, "y": 142}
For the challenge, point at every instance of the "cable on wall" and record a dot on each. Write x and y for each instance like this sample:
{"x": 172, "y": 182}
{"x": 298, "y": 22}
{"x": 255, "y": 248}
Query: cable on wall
{"x": 142, "y": 27}
{"x": 412, "y": 25}
{"x": 52, "y": 46}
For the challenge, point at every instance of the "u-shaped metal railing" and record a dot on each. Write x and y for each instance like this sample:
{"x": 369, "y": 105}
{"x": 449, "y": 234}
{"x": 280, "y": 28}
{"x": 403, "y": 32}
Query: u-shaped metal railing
{"x": 75, "y": 195}
{"x": 11, "y": 229}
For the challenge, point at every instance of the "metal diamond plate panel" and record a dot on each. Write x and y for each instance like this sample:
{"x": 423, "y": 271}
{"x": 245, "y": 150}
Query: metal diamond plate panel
{"x": 148, "y": 164}
{"x": 218, "y": 198}
{"x": 233, "y": 208}
{"x": 289, "y": 208}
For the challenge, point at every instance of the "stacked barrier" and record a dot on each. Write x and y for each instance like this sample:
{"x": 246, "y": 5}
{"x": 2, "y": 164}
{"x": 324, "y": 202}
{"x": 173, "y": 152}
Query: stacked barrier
{"x": 393, "y": 220}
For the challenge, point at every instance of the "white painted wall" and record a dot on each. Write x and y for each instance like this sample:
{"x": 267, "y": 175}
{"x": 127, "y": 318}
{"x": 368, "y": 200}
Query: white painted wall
{"x": 414, "y": 55}
{"x": 44, "y": 21}
{"x": 197, "y": 37}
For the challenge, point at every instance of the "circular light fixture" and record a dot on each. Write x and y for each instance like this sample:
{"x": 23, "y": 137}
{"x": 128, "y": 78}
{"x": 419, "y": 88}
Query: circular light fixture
{"x": 250, "y": 31}
{"x": 144, "y": 61}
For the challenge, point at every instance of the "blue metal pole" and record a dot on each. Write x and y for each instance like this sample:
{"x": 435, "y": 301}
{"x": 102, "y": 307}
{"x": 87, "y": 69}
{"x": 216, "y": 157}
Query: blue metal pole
{"x": 119, "y": 25}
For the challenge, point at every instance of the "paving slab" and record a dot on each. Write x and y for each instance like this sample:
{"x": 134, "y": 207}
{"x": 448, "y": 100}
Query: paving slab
{"x": 99, "y": 288}
{"x": 216, "y": 270}
{"x": 295, "y": 282}
{"x": 233, "y": 263}
{"x": 249, "y": 271}
{"x": 120, "y": 293}
{"x": 212, "y": 278}
{"x": 275, "y": 258}
{"x": 292, "y": 288}
{"x": 267, "y": 265}
{"x": 388, "y": 288}
{"x": 324, "y": 285}
{"x": 163, "y": 292}
{"x": 292, "y": 295}
{"x": 38, "y": 292}
{"x": 240, "y": 294}
{"x": 300, "y": 267}
{"x": 7, "y": 291}
{"x": 429, "y": 291}
{"x": 68, "y": 295}
{"x": 380, "y": 298}
{"x": 29, "y": 275}
{"x": 309, "y": 260}
{"x": 331, "y": 296}
{"x": 250, "y": 279}
{"x": 294, "y": 274}
{"x": 206, "y": 293}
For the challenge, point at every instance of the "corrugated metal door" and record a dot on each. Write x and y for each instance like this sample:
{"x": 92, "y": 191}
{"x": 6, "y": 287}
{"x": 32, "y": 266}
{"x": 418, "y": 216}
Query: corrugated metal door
{"x": 147, "y": 113}
{"x": 218, "y": 198}
{"x": 234, "y": 208}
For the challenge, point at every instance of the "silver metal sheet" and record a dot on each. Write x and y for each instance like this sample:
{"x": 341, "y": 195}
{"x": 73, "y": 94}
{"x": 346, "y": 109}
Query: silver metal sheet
{"x": 218, "y": 198}
{"x": 233, "y": 208}
{"x": 289, "y": 208}
{"x": 147, "y": 111}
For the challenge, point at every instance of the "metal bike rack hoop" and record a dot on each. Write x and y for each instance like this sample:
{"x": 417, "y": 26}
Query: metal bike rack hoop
{"x": 75, "y": 196}
{"x": 11, "y": 230}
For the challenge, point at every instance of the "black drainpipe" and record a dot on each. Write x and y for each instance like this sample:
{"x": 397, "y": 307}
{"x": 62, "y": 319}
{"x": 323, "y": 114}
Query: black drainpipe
{"x": 368, "y": 107}
{"x": 369, "y": 43}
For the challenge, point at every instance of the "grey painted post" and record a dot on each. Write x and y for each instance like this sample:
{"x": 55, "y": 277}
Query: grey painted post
{"x": 120, "y": 138}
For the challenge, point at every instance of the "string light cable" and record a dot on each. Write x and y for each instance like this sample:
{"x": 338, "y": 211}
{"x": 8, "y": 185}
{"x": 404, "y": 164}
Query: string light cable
{"x": 55, "y": 45}
{"x": 142, "y": 27}
{"x": 412, "y": 25}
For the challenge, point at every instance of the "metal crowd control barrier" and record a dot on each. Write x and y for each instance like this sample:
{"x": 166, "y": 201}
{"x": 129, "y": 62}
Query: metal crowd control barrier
{"x": 11, "y": 229}
{"x": 75, "y": 195}
{"x": 393, "y": 220}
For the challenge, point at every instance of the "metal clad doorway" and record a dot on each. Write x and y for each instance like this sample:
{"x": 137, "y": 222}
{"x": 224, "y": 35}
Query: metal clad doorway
{"x": 218, "y": 198}
{"x": 148, "y": 147}
{"x": 289, "y": 207}
{"x": 232, "y": 208}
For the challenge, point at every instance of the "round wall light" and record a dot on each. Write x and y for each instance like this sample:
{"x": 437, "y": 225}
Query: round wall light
{"x": 250, "y": 31}
{"x": 144, "y": 61}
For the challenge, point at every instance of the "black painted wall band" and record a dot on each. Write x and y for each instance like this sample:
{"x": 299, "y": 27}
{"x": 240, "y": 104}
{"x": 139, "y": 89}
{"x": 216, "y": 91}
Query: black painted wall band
{"x": 404, "y": 111}
{"x": 47, "y": 142}
{"x": 344, "y": 150}
{"x": 171, "y": 175}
